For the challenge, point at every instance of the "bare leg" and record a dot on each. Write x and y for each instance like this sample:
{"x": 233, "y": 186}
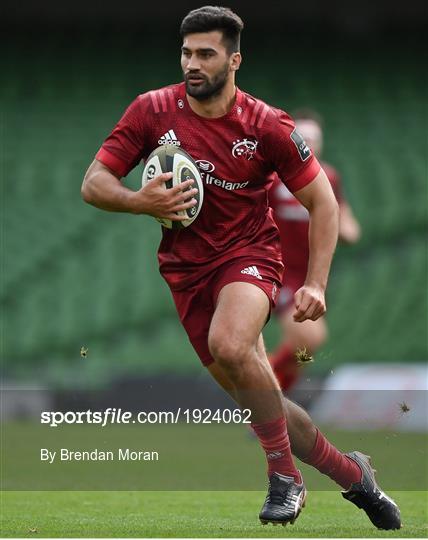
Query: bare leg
{"x": 301, "y": 429}
{"x": 233, "y": 340}
{"x": 307, "y": 442}
{"x": 242, "y": 368}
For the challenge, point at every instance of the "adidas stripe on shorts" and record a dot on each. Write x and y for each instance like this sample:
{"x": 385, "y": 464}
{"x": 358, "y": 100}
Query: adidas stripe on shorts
{"x": 196, "y": 305}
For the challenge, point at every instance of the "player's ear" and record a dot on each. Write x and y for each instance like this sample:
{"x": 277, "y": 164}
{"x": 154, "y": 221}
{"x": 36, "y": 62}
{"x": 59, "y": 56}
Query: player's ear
{"x": 235, "y": 61}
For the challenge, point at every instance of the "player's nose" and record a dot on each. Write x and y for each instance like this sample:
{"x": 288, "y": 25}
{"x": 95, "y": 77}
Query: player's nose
{"x": 193, "y": 63}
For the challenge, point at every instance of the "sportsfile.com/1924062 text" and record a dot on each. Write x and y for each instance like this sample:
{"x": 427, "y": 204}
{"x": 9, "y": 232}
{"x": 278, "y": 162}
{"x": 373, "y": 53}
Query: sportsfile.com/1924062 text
{"x": 119, "y": 416}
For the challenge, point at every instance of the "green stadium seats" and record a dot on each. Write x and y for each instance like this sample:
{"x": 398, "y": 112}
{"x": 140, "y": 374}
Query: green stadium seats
{"x": 74, "y": 275}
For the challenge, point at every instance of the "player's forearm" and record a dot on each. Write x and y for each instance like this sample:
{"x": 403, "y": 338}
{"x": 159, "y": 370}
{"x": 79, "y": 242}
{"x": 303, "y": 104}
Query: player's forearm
{"x": 323, "y": 233}
{"x": 103, "y": 190}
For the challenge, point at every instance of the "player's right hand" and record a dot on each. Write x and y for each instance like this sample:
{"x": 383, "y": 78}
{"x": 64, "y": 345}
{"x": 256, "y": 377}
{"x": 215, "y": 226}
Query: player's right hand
{"x": 309, "y": 303}
{"x": 157, "y": 201}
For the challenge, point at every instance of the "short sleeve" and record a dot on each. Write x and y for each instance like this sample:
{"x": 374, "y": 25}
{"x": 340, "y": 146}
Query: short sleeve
{"x": 124, "y": 147}
{"x": 288, "y": 153}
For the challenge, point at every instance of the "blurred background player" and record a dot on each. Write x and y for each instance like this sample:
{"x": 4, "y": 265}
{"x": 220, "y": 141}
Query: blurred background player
{"x": 292, "y": 219}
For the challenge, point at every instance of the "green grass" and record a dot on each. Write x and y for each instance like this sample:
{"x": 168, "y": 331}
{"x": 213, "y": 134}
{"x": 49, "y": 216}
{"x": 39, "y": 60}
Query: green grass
{"x": 215, "y": 457}
{"x": 237, "y": 462}
{"x": 192, "y": 514}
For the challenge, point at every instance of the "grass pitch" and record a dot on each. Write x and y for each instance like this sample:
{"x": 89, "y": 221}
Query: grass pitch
{"x": 222, "y": 514}
{"x": 214, "y": 457}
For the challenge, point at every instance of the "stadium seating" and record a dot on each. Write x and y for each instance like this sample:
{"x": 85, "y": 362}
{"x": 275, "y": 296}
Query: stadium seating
{"x": 74, "y": 276}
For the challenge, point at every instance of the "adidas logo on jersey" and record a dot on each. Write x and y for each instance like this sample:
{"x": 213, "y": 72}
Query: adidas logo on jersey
{"x": 169, "y": 138}
{"x": 252, "y": 271}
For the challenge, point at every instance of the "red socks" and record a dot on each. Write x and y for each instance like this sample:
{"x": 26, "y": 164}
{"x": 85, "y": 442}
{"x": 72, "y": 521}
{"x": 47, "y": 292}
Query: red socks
{"x": 274, "y": 439}
{"x": 324, "y": 456}
{"x": 284, "y": 365}
{"x": 328, "y": 460}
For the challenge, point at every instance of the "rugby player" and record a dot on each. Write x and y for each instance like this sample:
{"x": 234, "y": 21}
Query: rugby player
{"x": 224, "y": 271}
{"x": 292, "y": 219}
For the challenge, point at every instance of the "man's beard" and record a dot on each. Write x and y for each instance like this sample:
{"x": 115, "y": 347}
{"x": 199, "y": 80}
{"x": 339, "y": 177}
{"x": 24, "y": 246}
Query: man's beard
{"x": 209, "y": 88}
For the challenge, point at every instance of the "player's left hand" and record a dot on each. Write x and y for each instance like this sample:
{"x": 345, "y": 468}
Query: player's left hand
{"x": 309, "y": 301}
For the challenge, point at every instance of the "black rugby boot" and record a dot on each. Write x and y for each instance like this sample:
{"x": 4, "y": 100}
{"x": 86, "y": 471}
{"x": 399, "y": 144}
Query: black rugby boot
{"x": 366, "y": 494}
{"x": 284, "y": 501}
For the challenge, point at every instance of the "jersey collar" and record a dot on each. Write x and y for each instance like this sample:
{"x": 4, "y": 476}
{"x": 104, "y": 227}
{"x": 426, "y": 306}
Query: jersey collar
{"x": 236, "y": 109}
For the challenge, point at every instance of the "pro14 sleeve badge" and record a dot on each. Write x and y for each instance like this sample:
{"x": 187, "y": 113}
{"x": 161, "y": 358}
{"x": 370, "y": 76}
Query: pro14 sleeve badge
{"x": 302, "y": 147}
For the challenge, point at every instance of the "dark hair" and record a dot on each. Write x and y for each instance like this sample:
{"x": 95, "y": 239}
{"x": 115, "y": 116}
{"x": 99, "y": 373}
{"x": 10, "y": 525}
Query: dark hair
{"x": 210, "y": 18}
{"x": 307, "y": 114}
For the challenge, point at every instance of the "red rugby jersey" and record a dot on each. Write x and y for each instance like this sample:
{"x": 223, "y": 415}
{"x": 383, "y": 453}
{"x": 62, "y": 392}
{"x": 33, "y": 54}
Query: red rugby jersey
{"x": 292, "y": 219}
{"x": 237, "y": 154}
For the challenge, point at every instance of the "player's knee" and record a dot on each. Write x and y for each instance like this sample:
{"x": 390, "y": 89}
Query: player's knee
{"x": 227, "y": 351}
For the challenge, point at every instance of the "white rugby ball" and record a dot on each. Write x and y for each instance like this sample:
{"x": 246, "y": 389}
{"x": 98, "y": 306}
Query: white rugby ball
{"x": 170, "y": 158}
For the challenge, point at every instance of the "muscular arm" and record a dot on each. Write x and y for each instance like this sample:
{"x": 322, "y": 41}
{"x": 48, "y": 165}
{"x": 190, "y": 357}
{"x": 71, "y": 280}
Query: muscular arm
{"x": 319, "y": 199}
{"x": 102, "y": 188}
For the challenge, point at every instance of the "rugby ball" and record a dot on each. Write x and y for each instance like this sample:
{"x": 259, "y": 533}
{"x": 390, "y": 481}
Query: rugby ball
{"x": 170, "y": 158}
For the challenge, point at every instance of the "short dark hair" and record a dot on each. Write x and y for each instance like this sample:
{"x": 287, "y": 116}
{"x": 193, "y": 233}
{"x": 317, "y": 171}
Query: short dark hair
{"x": 211, "y": 18}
